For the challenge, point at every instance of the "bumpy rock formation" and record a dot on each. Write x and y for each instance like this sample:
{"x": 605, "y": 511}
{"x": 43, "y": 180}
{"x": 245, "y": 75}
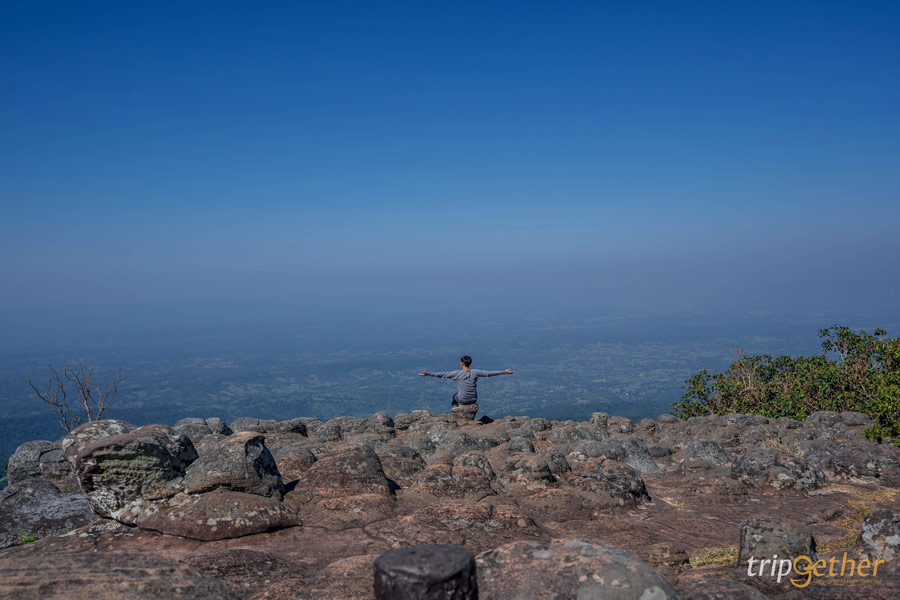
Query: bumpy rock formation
{"x": 299, "y": 508}
{"x": 118, "y": 469}
{"x": 239, "y": 462}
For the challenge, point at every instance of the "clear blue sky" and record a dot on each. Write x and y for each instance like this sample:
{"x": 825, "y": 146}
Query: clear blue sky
{"x": 502, "y": 154}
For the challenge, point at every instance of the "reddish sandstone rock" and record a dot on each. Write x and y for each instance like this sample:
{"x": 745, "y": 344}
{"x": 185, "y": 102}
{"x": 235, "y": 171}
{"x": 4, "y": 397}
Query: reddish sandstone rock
{"x": 567, "y": 570}
{"x": 110, "y": 576}
{"x": 347, "y": 470}
{"x": 348, "y": 579}
{"x": 527, "y": 470}
{"x": 217, "y": 515}
{"x": 347, "y": 512}
{"x": 76, "y": 440}
{"x": 453, "y": 482}
{"x": 293, "y": 454}
{"x": 475, "y": 525}
{"x": 243, "y": 571}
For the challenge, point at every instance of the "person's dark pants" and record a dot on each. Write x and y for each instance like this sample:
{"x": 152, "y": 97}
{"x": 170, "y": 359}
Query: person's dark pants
{"x": 456, "y": 402}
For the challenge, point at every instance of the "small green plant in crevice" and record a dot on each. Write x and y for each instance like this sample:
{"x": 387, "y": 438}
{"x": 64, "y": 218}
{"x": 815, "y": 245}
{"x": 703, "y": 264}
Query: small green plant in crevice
{"x": 25, "y": 539}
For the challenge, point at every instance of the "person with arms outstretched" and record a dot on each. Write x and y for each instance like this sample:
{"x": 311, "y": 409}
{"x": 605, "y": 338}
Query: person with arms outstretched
{"x": 465, "y": 379}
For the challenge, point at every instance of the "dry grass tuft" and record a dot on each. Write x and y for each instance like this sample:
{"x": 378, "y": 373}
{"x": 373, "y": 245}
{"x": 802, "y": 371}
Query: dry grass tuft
{"x": 671, "y": 502}
{"x": 862, "y": 502}
{"x": 726, "y": 557}
{"x": 781, "y": 445}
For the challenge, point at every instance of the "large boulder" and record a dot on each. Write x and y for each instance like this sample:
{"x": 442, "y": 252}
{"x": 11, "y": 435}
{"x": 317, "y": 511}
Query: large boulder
{"x": 105, "y": 576}
{"x": 857, "y": 462}
{"x": 195, "y": 428}
{"x": 769, "y": 468}
{"x": 453, "y": 482}
{"x": 147, "y": 463}
{"x": 401, "y": 463}
{"x": 465, "y": 412}
{"x": 87, "y": 433}
{"x": 293, "y": 454}
{"x": 519, "y": 444}
{"x": 217, "y": 515}
{"x": 239, "y": 462}
{"x": 527, "y": 470}
{"x": 879, "y": 536}
{"x": 252, "y": 424}
{"x": 612, "y": 482}
{"x": 567, "y": 570}
{"x": 636, "y": 454}
{"x": 765, "y": 537}
{"x": 35, "y": 507}
{"x": 702, "y": 457}
{"x": 295, "y": 426}
{"x": 346, "y": 470}
{"x": 42, "y": 458}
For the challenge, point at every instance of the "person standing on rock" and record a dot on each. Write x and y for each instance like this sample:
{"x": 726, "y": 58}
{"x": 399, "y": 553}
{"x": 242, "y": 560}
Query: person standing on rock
{"x": 466, "y": 380}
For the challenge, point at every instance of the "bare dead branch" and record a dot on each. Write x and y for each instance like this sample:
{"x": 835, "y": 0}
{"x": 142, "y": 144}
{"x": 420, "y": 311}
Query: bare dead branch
{"x": 91, "y": 399}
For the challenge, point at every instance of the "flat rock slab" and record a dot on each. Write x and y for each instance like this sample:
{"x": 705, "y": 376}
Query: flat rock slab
{"x": 105, "y": 577}
{"x": 346, "y": 579}
{"x": 475, "y": 525}
{"x": 217, "y": 515}
{"x": 567, "y": 570}
{"x": 242, "y": 570}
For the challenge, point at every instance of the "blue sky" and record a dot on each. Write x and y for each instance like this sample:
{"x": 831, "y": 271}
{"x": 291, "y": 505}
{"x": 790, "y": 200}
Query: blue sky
{"x": 503, "y": 155}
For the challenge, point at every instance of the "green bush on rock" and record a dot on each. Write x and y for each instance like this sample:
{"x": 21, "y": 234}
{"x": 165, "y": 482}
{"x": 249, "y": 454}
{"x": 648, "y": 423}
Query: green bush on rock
{"x": 855, "y": 372}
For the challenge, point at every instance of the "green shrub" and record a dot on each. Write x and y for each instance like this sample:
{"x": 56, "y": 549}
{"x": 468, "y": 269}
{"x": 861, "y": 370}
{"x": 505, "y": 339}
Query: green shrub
{"x": 855, "y": 372}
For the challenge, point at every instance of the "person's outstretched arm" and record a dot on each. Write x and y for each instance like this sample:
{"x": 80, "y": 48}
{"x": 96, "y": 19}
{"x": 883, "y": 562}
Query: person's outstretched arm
{"x": 481, "y": 373}
{"x": 444, "y": 375}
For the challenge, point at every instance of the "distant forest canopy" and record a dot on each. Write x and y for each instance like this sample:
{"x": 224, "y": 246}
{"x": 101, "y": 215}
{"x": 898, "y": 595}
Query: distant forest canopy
{"x": 855, "y": 372}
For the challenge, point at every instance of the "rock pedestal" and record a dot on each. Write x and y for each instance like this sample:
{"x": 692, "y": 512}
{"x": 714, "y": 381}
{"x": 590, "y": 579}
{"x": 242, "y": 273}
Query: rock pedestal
{"x": 430, "y": 572}
{"x": 465, "y": 411}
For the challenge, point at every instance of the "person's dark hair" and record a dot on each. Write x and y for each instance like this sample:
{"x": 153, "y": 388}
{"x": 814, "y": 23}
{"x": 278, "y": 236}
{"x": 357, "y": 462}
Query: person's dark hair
{"x": 466, "y": 360}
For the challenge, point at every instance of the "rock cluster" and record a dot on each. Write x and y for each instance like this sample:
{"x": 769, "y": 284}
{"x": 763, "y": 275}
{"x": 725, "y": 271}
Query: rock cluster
{"x": 602, "y": 508}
